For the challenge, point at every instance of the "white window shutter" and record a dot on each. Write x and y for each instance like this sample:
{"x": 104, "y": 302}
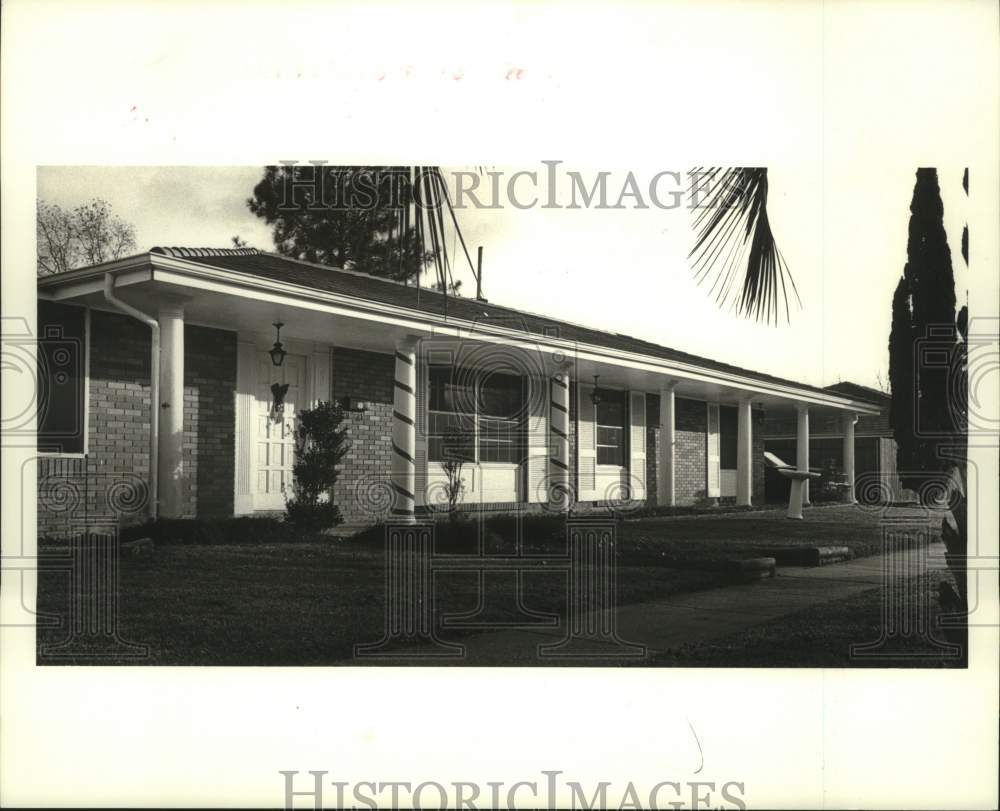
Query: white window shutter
{"x": 713, "y": 483}
{"x": 320, "y": 368}
{"x": 538, "y": 439}
{"x": 586, "y": 444}
{"x": 637, "y": 445}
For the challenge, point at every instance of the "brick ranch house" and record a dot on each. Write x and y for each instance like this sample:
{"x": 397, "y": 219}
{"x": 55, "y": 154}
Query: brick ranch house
{"x": 200, "y": 435}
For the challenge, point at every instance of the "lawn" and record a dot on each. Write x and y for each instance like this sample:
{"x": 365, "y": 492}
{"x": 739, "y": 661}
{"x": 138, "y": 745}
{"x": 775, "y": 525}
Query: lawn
{"x": 309, "y": 603}
{"x": 704, "y": 541}
{"x": 823, "y": 636}
{"x": 298, "y": 604}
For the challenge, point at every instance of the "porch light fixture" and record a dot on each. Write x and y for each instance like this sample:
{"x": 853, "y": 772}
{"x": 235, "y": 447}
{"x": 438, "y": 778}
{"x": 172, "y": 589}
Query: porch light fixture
{"x": 277, "y": 352}
{"x": 595, "y": 396}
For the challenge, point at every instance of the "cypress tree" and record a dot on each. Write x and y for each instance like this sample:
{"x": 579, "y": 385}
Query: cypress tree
{"x": 923, "y": 314}
{"x": 928, "y": 258}
{"x": 901, "y": 383}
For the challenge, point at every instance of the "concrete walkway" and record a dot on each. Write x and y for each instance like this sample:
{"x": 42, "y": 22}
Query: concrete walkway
{"x": 666, "y": 624}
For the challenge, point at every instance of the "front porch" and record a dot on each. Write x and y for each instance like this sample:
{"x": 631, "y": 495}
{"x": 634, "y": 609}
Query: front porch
{"x": 547, "y": 419}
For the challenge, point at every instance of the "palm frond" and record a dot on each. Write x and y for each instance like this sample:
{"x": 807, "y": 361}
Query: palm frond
{"x": 734, "y": 250}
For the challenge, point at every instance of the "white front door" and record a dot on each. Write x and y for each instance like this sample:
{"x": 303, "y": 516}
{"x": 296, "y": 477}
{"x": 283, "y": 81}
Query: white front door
{"x": 276, "y": 428}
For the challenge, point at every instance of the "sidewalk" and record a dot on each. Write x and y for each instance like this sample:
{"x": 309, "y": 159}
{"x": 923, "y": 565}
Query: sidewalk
{"x": 666, "y": 624}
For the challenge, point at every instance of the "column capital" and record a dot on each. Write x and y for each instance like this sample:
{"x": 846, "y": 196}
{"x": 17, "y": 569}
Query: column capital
{"x": 669, "y": 386}
{"x": 850, "y": 418}
{"x": 802, "y": 408}
{"x": 407, "y": 342}
{"x": 172, "y": 303}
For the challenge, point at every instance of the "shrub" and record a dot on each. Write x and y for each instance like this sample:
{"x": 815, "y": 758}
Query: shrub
{"x": 453, "y": 463}
{"x": 320, "y": 444}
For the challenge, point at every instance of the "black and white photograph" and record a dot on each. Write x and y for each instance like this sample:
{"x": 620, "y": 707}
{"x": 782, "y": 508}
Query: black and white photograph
{"x": 651, "y": 422}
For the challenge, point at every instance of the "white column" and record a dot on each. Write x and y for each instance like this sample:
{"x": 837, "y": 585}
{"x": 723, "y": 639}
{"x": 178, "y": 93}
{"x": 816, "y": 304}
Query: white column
{"x": 170, "y": 467}
{"x": 403, "y": 468}
{"x": 849, "y": 422}
{"x": 559, "y": 481}
{"x": 246, "y": 426}
{"x": 665, "y": 495}
{"x": 802, "y": 448}
{"x": 744, "y": 454}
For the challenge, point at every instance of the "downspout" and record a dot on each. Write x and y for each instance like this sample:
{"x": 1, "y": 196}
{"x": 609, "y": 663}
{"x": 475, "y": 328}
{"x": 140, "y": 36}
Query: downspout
{"x": 154, "y": 386}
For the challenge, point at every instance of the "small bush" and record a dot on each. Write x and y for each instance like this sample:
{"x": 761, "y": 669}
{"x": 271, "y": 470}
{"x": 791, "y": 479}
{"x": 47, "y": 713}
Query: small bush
{"x": 320, "y": 445}
{"x": 321, "y": 515}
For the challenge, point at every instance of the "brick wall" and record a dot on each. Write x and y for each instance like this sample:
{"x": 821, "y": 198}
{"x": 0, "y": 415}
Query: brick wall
{"x": 111, "y": 483}
{"x": 691, "y": 423}
{"x": 365, "y": 377}
{"x": 209, "y": 421}
{"x": 652, "y": 448}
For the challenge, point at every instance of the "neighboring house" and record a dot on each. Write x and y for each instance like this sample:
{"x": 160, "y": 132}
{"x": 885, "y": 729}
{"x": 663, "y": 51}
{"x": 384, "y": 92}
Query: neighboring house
{"x": 876, "y": 479}
{"x": 409, "y": 365}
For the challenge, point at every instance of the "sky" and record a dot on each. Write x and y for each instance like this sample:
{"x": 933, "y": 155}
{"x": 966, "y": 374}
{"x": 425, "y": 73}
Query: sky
{"x": 621, "y": 270}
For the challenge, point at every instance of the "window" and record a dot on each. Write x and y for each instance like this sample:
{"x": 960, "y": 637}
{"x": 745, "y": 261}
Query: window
{"x": 62, "y": 375}
{"x": 501, "y": 404}
{"x": 450, "y": 416}
{"x": 475, "y": 417}
{"x": 610, "y": 417}
{"x": 728, "y": 437}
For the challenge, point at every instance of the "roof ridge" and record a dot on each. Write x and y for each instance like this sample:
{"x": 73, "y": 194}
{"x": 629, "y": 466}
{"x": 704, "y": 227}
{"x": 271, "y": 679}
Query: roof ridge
{"x": 190, "y": 253}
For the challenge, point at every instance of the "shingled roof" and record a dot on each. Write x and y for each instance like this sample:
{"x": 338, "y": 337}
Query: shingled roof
{"x": 260, "y": 264}
{"x": 858, "y": 392}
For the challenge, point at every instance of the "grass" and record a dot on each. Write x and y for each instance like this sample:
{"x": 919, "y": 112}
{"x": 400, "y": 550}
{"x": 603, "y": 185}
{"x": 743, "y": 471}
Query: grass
{"x": 823, "y": 636}
{"x": 701, "y": 542}
{"x": 309, "y": 603}
{"x": 295, "y": 604}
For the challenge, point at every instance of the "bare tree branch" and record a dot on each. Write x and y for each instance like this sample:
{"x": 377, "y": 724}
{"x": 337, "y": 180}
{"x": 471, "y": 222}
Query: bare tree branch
{"x": 88, "y": 235}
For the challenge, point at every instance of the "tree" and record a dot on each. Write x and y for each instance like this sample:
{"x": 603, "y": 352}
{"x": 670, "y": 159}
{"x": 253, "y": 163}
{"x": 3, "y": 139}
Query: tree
{"x": 929, "y": 398}
{"x": 352, "y": 217}
{"x": 923, "y": 321}
{"x": 88, "y": 235}
{"x": 902, "y": 407}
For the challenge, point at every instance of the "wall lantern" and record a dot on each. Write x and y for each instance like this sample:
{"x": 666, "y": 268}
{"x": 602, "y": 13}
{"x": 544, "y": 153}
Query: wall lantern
{"x": 595, "y": 396}
{"x": 277, "y": 352}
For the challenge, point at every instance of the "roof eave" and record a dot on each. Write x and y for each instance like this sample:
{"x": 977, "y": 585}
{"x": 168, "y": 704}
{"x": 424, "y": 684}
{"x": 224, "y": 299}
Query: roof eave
{"x": 164, "y": 268}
